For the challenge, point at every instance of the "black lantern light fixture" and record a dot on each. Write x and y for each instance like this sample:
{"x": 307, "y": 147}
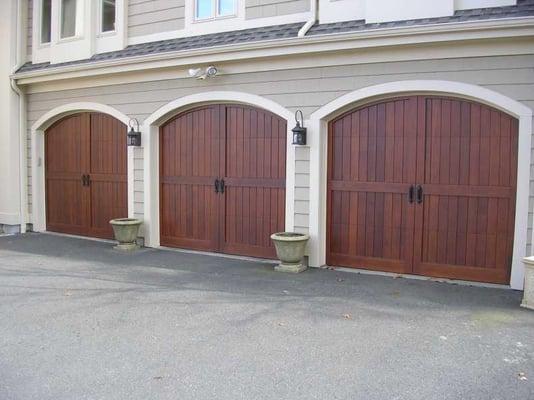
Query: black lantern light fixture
{"x": 134, "y": 136}
{"x": 299, "y": 132}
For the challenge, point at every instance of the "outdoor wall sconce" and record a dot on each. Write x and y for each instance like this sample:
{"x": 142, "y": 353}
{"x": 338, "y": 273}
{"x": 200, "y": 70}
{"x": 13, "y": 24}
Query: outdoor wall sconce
{"x": 133, "y": 137}
{"x": 299, "y": 132}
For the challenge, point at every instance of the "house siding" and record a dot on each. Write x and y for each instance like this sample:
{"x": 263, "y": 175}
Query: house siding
{"x": 274, "y": 8}
{"x": 29, "y": 29}
{"x": 306, "y": 89}
{"x": 155, "y": 16}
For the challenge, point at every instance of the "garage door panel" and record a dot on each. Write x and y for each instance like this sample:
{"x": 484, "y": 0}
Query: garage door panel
{"x": 380, "y": 228}
{"x": 460, "y": 157}
{"x": 190, "y": 157}
{"x": 66, "y": 210}
{"x": 109, "y": 201}
{"x": 254, "y": 177}
{"x": 93, "y": 145}
{"x": 372, "y": 166}
{"x": 188, "y": 215}
{"x": 467, "y": 215}
{"x": 108, "y": 146}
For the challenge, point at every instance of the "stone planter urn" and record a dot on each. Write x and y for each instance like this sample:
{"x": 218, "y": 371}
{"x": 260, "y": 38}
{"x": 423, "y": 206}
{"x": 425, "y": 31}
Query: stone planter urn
{"x": 125, "y": 231}
{"x": 528, "y": 293}
{"x": 290, "y": 248}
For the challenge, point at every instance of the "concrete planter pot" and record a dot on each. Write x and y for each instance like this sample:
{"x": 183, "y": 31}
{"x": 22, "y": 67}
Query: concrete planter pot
{"x": 290, "y": 248}
{"x": 125, "y": 231}
{"x": 528, "y": 293}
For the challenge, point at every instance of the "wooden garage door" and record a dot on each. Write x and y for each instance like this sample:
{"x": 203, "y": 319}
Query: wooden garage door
{"x": 90, "y": 146}
{"x": 242, "y": 148}
{"x": 423, "y": 185}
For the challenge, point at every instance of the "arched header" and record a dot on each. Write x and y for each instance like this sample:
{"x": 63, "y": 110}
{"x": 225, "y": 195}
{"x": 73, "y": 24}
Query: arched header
{"x": 57, "y": 113}
{"x": 164, "y": 112}
{"x": 459, "y": 89}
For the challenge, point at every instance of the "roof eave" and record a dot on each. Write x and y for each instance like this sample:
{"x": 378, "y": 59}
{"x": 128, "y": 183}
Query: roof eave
{"x": 469, "y": 30}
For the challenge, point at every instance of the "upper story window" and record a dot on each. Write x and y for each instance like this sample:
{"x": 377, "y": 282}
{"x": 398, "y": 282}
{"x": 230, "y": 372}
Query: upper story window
{"x": 209, "y": 9}
{"x": 46, "y": 21}
{"x": 108, "y": 15}
{"x": 68, "y": 18}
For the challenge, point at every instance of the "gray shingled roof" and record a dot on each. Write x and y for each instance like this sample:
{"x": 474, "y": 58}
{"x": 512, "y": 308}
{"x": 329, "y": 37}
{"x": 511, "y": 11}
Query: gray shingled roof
{"x": 522, "y": 9}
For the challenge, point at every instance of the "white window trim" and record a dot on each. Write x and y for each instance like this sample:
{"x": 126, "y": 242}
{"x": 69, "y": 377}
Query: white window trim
{"x": 99, "y": 11}
{"x": 39, "y": 31}
{"x": 214, "y": 12}
{"x": 40, "y": 51}
{"x": 79, "y": 23}
{"x": 112, "y": 40}
{"x": 88, "y": 39}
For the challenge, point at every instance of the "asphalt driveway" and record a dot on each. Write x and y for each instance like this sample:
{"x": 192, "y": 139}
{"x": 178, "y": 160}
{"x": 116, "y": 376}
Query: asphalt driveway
{"x": 80, "y": 321}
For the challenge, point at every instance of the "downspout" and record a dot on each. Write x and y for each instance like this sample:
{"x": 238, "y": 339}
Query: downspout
{"x": 315, "y": 14}
{"x": 19, "y": 61}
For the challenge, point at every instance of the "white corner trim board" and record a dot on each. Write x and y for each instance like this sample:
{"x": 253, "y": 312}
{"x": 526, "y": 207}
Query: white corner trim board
{"x": 38, "y": 155}
{"x": 317, "y": 137}
{"x": 150, "y": 142}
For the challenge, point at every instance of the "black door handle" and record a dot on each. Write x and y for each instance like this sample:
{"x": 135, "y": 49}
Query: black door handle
{"x": 86, "y": 180}
{"x": 216, "y": 186}
{"x": 411, "y": 193}
{"x": 221, "y": 188}
{"x": 419, "y": 194}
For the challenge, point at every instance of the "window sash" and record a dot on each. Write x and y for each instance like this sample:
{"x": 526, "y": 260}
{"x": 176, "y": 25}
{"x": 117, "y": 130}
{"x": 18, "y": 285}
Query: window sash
{"x": 68, "y": 18}
{"x": 111, "y": 25}
{"x": 45, "y": 34}
{"x": 215, "y": 9}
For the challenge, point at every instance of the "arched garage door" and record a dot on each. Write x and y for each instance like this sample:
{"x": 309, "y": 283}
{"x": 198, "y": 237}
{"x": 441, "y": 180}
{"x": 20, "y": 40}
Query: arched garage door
{"x": 86, "y": 174}
{"x": 423, "y": 185}
{"x": 222, "y": 180}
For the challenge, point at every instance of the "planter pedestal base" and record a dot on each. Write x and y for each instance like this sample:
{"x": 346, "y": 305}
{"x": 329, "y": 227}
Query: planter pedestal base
{"x": 290, "y": 247}
{"x": 125, "y": 231}
{"x": 126, "y": 247}
{"x": 290, "y": 268}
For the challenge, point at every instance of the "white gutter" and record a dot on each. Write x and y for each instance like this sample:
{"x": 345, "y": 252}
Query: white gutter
{"x": 19, "y": 61}
{"x": 315, "y": 13}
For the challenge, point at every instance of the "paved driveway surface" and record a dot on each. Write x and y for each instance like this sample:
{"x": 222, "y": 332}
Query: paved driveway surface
{"x": 79, "y": 321}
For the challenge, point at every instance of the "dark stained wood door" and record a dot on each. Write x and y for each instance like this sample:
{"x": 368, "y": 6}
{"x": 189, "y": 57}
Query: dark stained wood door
{"x": 461, "y": 165}
{"x": 68, "y": 208}
{"x": 466, "y": 219}
{"x": 108, "y": 173}
{"x": 191, "y": 145}
{"x": 255, "y": 180}
{"x": 241, "y": 146}
{"x": 93, "y": 145}
{"x": 372, "y": 164}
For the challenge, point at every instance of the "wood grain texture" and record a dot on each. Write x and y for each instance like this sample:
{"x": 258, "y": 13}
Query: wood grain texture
{"x": 464, "y": 156}
{"x": 245, "y": 147}
{"x": 85, "y": 144}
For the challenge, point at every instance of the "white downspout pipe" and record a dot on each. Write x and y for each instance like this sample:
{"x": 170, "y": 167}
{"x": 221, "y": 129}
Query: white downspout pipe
{"x": 19, "y": 61}
{"x": 315, "y": 13}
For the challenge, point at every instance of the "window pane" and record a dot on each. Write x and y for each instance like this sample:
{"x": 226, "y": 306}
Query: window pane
{"x": 108, "y": 15}
{"x": 46, "y": 16}
{"x": 204, "y": 9}
{"x": 226, "y": 7}
{"x": 68, "y": 18}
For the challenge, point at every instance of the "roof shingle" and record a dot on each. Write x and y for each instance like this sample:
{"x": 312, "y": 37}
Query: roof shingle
{"x": 522, "y": 9}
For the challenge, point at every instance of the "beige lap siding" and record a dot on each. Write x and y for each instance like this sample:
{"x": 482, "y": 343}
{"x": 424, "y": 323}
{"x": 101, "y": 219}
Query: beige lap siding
{"x": 305, "y": 89}
{"x": 147, "y": 17}
{"x": 29, "y": 28}
{"x": 274, "y": 8}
